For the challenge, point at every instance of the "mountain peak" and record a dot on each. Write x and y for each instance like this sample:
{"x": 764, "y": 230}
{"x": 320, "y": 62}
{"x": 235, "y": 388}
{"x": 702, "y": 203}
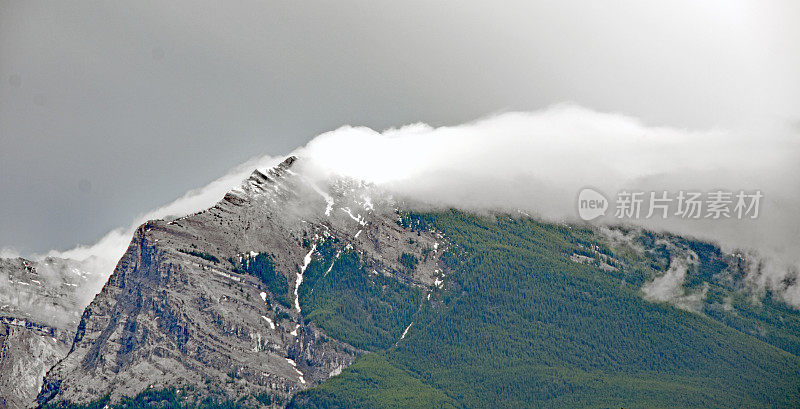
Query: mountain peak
{"x": 287, "y": 163}
{"x": 234, "y": 272}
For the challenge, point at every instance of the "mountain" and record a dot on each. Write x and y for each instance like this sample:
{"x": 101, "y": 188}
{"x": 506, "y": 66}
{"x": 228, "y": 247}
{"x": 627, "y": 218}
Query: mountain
{"x": 546, "y": 315}
{"x": 40, "y": 306}
{"x": 209, "y": 302}
{"x": 313, "y": 291}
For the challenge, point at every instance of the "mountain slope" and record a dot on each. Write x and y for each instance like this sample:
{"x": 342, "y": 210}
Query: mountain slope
{"x": 520, "y": 323}
{"x": 208, "y": 302}
{"x": 39, "y": 310}
{"x": 330, "y": 293}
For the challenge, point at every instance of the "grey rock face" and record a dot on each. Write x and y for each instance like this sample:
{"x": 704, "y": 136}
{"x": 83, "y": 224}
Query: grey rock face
{"x": 178, "y": 310}
{"x": 40, "y": 306}
{"x": 27, "y": 351}
{"x": 50, "y": 292}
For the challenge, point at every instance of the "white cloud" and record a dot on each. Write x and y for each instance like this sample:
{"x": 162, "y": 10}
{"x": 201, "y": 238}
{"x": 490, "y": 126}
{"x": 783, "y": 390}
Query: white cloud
{"x": 101, "y": 258}
{"x": 8, "y": 252}
{"x": 538, "y": 162}
{"x": 668, "y": 287}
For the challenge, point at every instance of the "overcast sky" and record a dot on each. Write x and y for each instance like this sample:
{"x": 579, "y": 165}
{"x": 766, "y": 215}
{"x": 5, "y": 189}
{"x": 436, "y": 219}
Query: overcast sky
{"x": 107, "y": 111}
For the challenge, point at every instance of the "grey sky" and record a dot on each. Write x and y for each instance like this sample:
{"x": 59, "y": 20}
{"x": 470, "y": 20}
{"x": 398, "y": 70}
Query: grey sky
{"x": 109, "y": 110}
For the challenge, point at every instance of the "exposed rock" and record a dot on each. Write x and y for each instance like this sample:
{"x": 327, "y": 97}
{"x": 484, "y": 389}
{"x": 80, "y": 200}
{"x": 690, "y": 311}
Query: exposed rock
{"x": 27, "y": 351}
{"x": 40, "y": 306}
{"x": 178, "y": 311}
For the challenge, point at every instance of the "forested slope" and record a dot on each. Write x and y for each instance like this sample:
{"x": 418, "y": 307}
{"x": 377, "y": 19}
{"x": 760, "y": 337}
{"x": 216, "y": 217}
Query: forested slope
{"x": 518, "y": 323}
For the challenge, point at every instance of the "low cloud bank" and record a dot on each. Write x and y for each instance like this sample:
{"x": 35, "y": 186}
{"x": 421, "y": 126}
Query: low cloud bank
{"x": 537, "y": 162}
{"x": 100, "y": 259}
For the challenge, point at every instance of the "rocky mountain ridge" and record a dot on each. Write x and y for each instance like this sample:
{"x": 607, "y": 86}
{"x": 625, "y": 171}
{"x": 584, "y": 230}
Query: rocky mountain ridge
{"x": 292, "y": 276}
{"x": 210, "y": 301}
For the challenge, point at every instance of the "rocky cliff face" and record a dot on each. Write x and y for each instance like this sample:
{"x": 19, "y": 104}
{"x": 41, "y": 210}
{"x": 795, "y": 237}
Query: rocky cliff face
{"x": 39, "y": 310}
{"x": 27, "y": 351}
{"x": 209, "y": 302}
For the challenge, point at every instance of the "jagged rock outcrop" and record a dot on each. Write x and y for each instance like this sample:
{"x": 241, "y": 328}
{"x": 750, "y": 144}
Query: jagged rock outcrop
{"x": 182, "y": 310}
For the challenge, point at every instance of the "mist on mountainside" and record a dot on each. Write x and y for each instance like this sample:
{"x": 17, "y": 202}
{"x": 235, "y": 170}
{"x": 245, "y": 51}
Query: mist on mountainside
{"x": 536, "y": 163}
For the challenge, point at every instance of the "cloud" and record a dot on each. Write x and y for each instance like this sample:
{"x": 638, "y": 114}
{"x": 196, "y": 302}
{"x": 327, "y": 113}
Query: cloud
{"x": 538, "y": 162}
{"x": 114, "y": 243}
{"x": 8, "y": 252}
{"x": 668, "y": 287}
{"x": 100, "y": 259}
